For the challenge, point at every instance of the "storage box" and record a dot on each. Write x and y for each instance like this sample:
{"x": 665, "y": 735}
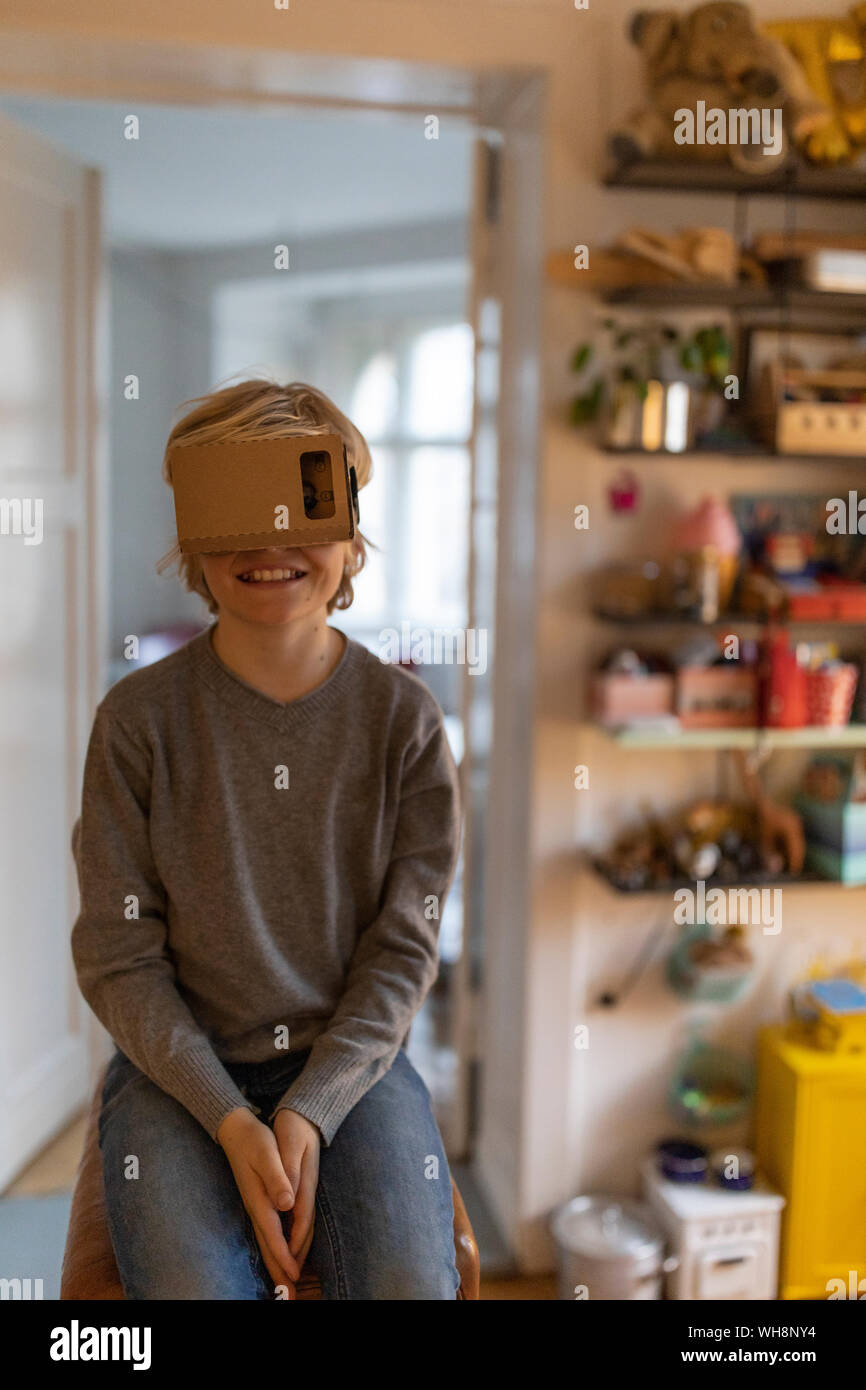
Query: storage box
{"x": 619, "y": 699}
{"x": 813, "y": 600}
{"x": 813, "y": 426}
{"x": 717, "y": 697}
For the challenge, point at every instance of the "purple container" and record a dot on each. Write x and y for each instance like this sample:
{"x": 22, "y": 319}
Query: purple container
{"x": 681, "y": 1161}
{"x": 744, "y": 1168}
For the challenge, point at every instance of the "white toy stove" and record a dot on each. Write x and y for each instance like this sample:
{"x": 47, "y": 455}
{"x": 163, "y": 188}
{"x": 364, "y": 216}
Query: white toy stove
{"x": 726, "y": 1243}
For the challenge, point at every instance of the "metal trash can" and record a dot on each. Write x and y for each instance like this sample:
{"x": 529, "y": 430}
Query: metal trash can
{"x": 609, "y": 1248}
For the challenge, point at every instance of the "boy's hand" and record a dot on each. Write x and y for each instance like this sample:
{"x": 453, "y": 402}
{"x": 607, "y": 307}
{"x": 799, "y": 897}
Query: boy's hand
{"x": 299, "y": 1141}
{"x": 265, "y": 1189}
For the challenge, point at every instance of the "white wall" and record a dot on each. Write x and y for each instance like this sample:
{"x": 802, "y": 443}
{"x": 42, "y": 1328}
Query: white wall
{"x": 160, "y": 333}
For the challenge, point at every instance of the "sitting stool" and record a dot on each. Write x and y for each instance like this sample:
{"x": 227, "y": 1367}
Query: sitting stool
{"x": 89, "y": 1267}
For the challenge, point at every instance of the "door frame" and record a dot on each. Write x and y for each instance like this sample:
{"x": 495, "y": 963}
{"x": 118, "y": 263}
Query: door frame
{"x": 510, "y": 102}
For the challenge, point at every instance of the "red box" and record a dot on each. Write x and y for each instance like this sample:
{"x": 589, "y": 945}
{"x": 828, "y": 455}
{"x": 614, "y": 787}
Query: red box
{"x": 717, "y": 697}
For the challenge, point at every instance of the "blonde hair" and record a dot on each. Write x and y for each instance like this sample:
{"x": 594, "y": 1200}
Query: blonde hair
{"x": 261, "y": 409}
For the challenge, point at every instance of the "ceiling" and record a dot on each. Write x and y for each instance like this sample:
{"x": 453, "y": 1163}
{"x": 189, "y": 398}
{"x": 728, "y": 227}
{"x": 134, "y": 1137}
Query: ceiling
{"x": 201, "y": 178}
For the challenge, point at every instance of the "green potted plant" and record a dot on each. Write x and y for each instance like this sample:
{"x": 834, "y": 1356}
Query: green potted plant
{"x": 653, "y": 386}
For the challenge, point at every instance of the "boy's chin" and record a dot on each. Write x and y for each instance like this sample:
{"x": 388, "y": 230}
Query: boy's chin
{"x": 271, "y": 610}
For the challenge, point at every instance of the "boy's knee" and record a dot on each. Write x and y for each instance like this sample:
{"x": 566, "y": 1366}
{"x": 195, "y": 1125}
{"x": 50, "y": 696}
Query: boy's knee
{"x": 415, "y": 1282}
{"x": 193, "y": 1285}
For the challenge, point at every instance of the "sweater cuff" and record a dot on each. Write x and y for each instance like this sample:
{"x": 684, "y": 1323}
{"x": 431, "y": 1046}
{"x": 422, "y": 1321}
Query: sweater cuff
{"x": 326, "y": 1091}
{"x": 201, "y": 1083}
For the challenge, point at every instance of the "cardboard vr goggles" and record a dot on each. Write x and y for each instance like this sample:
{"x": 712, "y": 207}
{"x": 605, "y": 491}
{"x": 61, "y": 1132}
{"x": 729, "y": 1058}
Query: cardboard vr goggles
{"x": 263, "y": 492}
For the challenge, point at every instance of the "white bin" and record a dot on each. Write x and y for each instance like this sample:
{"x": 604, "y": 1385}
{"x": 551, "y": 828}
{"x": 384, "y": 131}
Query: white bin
{"x": 609, "y": 1248}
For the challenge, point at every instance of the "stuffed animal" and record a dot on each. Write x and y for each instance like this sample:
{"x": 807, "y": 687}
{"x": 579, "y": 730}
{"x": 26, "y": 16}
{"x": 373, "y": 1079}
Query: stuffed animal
{"x": 716, "y": 59}
{"x": 832, "y": 54}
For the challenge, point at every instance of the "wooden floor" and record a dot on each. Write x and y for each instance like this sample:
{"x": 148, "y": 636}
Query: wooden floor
{"x": 539, "y": 1288}
{"x": 54, "y": 1169}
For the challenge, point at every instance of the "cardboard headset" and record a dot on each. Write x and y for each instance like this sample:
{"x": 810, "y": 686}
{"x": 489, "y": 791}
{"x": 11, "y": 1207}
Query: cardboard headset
{"x": 263, "y": 492}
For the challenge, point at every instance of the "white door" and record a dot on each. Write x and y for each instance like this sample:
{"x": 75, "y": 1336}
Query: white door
{"x": 51, "y": 595}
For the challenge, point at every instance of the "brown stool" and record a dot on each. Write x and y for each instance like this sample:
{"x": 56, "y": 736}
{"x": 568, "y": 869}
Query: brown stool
{"x": 89, "y": 1267}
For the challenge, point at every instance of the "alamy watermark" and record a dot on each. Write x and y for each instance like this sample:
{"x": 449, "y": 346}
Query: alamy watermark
{"x": 722, "y": 907}
{"x": 77, "y": 1343}
{"x": 22, "y": 516}
{"x": 712, "y": 125}
{"x": 21, "y": 1289}
{"x": 855, "y": 1288}
{"x": 846, "y": 516}
{"x": 435, "y": 646}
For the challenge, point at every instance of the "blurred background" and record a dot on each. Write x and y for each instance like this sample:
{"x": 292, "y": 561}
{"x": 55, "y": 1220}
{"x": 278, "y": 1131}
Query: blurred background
{"x": 615, "y": 390}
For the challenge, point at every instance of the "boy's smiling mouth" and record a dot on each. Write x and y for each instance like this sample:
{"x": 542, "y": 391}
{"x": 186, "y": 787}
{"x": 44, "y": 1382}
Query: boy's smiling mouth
{"x": 272, "y": 575}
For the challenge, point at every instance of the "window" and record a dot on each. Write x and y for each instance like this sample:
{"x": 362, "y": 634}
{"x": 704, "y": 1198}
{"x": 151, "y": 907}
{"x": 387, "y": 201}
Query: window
{"x": 412, "y": 399}
{"x": 440, "y": 383}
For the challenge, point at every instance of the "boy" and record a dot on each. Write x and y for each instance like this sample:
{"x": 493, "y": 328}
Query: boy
{"x": 269, "y": 828}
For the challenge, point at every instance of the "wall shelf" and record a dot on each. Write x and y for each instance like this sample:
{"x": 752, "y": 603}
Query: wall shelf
{"x": 804, "y": 880}
{"x": 784, "y": 298}
{"x": 812, "y": 737}
{"x": 749, "y": 451}
{"x": 799, "y": 181}
{"x": 728, "y": 621}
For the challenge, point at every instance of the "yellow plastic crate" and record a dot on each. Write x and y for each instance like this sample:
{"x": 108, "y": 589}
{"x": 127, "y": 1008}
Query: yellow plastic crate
{"x": 811, "y": 1144}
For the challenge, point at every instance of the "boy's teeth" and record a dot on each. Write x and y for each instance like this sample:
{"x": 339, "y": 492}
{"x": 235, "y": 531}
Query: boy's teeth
{"x": 272, "y": 574}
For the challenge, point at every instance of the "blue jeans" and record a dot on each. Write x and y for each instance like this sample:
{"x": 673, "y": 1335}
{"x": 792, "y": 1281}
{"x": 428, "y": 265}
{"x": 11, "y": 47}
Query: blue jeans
{"x": 384, "y": 1215}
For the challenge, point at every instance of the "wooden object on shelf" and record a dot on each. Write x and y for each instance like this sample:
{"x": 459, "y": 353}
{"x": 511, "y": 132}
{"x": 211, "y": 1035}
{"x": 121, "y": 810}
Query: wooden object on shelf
{"x": 643, "y": 259}
{"x": 780, "y": 827}
{"x": 811, "y": 427}
{"x": 607, "y": 271}
{"x": 695, "y": 253}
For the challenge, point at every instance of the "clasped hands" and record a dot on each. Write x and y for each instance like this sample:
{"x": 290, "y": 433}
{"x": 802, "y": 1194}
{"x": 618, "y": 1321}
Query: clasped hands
{"x": 276, "y": 1170}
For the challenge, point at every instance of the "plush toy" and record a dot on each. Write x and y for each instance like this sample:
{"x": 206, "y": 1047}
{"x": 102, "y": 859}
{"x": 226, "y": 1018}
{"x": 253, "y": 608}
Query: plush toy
{"x": 832, "y": 54}
{"x": 717, "y": 59}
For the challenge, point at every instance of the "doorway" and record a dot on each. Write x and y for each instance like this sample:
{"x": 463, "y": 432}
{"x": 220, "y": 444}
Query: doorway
{"x": 366, "y": 315}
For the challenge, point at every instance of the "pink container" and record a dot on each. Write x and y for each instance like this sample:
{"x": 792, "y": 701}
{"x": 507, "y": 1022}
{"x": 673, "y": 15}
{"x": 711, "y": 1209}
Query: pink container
{"x": 830, "y": 694}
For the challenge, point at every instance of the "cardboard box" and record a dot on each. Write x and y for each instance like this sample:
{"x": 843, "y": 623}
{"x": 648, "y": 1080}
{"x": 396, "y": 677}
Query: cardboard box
{"x": 264, "y": 492}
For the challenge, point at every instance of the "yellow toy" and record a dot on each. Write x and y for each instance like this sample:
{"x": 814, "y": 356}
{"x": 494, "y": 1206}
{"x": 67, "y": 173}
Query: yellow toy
{"x": 827, "y": 1006}
{"x": 811, "y": 1142}
{"x": 832, "y": 54}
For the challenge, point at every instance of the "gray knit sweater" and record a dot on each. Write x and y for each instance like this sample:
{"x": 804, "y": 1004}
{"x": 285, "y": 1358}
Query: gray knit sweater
{"x": 252, "y": 871}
